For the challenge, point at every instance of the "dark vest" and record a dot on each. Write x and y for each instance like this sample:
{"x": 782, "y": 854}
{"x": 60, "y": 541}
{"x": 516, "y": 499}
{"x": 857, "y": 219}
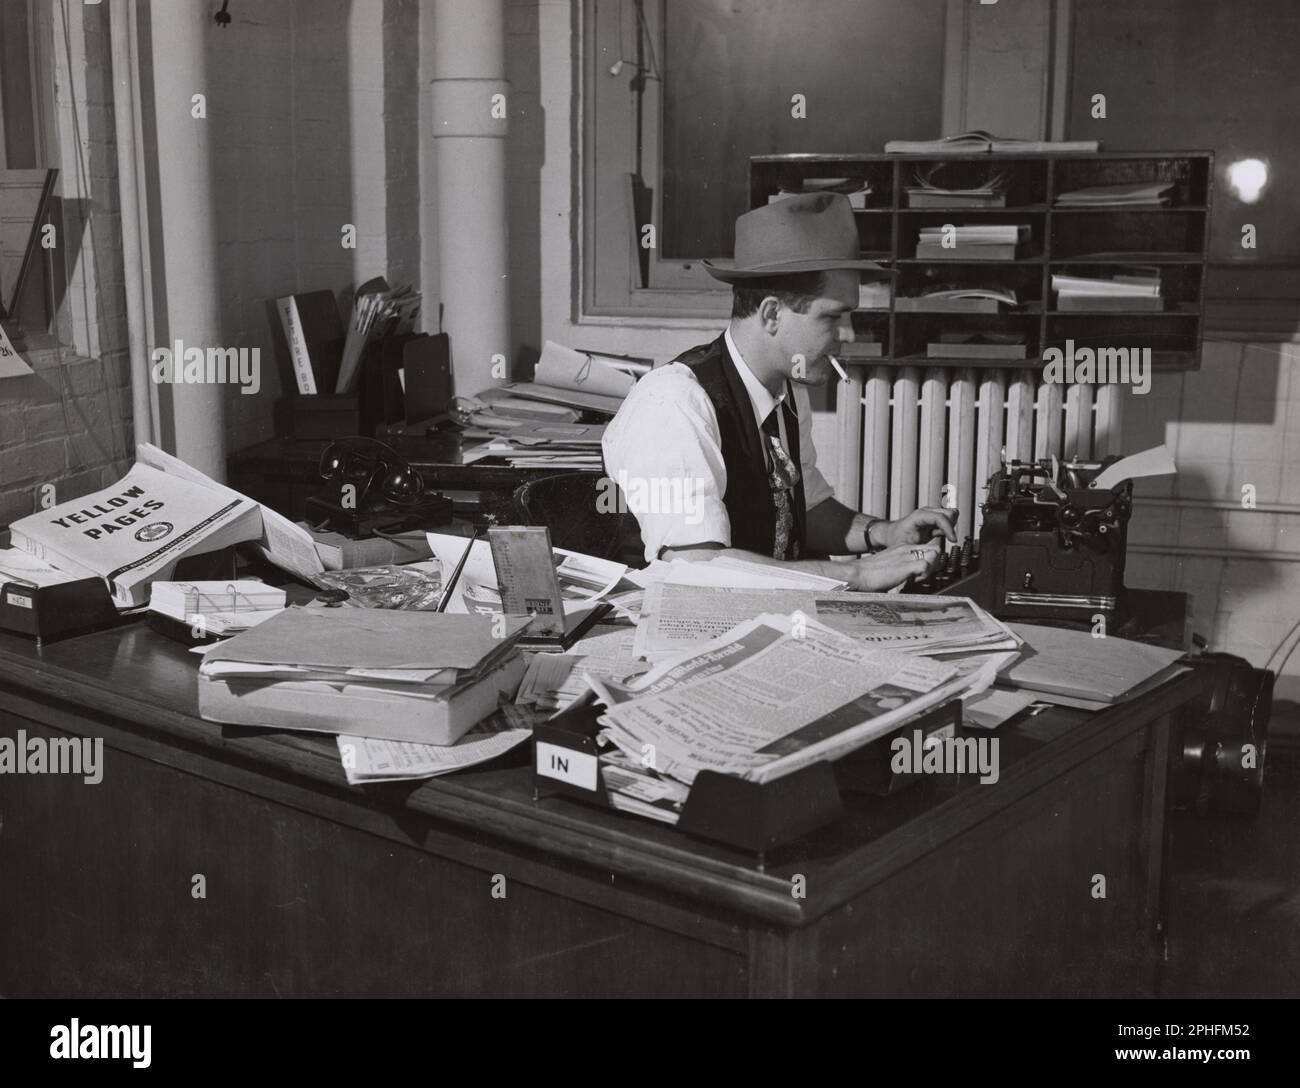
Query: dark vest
{"x": 748, "y": 497}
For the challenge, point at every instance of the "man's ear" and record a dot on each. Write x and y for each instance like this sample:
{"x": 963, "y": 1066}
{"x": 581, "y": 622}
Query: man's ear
{"x": 769, "y": 311}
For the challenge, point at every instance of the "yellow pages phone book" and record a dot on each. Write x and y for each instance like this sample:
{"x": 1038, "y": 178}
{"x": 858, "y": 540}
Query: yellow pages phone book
{"x": 137, "y": 530}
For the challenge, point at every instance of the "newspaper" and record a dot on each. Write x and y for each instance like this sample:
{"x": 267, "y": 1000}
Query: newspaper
{"x": 913, "y": 623}
{"x": 369, "y": 759}
{"x": 676, "y": 618}
{"x": 772, "y": 695}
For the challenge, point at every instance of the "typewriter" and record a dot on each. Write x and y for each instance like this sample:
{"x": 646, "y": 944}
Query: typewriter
{"x": 1051, "y": 545}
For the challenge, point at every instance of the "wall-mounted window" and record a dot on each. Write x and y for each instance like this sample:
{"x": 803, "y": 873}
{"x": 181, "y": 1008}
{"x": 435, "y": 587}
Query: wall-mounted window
{"x": 678, "y": 94}
{"x": 56, "y": 105}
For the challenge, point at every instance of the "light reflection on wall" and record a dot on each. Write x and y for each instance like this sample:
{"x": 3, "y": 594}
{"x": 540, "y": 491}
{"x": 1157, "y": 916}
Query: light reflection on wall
{"x": 1248, "y": 178}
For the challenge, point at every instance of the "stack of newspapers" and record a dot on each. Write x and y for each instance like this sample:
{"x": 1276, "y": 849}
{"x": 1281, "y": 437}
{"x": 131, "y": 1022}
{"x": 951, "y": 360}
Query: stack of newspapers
{"x": 770, "y": 696}
{"x": 676, "y": 617}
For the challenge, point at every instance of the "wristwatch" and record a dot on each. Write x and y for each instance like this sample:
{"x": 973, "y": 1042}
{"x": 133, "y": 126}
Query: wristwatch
{"x": 865, "y": 522}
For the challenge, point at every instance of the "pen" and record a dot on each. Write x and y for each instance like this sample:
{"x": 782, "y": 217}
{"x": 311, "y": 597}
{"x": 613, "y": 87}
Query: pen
{"x": 455, "y": 574}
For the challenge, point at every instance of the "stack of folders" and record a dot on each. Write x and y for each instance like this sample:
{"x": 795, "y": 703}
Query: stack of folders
{"x": 201, "y": 611}
{"x": 926, "y": 193}
{"x": 559, "y": 446}
{"x": 1073, "y": 668}
{"x": 423, "y": 677}
{"x": 958, "y": 300}
{"x": 1145, "y": 194}
{"x": 857, "y": 190}
{"x": 980, "y": 142}
{"x": 987, "y": 242}
{"x": 1137, "y": 291}
{"x": 588, "y": 381}
{"x": 978, "y": 345}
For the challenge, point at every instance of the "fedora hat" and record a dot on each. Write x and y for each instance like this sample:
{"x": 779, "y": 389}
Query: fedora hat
{"x": 811, "y": 232}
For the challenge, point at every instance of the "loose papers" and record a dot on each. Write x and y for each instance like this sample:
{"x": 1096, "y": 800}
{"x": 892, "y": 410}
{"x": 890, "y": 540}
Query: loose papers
{"x": 1066, "y": 666}
{"x": 19, "y": 566}
{"x": 583, "y": 578}
{"x": 370, "y": 759}
{"x": 553, "y": 681}
{"x": 1153, "y": 462}
{"x": 290, "y": 547}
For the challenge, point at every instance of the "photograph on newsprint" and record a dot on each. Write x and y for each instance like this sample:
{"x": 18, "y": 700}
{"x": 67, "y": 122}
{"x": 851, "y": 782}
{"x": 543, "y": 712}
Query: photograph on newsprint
{"x": 677, "y": 499}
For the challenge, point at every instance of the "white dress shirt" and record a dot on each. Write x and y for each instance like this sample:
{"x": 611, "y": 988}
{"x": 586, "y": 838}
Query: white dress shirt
{"x": 664, "y": 450}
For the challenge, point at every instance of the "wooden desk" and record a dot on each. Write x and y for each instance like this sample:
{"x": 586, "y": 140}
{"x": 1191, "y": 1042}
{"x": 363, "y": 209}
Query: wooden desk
{"x": 316, "y": 888}
{"x": 283, "y": 472}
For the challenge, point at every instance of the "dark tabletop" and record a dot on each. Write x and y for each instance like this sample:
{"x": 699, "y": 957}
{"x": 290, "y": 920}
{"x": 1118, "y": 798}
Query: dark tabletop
{"x": 134, "y": 678}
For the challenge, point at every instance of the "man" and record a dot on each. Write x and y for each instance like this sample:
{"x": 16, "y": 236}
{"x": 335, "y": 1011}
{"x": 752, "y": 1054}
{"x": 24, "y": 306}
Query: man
{"x": 731, "y": 420}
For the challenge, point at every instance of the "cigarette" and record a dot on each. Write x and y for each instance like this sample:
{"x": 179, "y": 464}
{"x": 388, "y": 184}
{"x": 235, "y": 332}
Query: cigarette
{"x": 838, "y": 369}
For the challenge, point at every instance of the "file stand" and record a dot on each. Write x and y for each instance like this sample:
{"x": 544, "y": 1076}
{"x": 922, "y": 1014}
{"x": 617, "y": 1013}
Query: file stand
{"x": 750, "y": 816}
{"x": 79, "y": 607}
{"x": 53, "y": 612}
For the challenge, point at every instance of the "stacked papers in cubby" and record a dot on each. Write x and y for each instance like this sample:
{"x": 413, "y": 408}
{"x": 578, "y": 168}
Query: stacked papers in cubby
{"x": 984, "y": 242}
{"x": 1145, "y": 194}
{"x": 1123, "y": 291}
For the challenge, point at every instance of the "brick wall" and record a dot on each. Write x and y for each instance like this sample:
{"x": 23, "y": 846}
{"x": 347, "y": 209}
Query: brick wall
{"x": 312, "y": 107}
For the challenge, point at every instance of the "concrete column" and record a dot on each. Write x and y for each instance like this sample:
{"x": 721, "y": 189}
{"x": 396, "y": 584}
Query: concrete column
{"x": 470, "y": 103}
{"x": 195, "y": 424}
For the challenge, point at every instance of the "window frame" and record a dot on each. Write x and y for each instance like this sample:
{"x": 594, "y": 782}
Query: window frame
{"x": 681, "y": 293}
{"x": 610, "y": 272}
{"x": 57, "y": 76}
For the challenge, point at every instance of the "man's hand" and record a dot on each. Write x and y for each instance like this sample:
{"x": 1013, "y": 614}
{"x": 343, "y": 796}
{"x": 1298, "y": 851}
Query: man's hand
{"x": 884, "y": 570}
{"x": 919, "y": 527}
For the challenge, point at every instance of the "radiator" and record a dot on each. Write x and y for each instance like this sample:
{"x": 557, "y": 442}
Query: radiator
{"x": 931, "y": 436}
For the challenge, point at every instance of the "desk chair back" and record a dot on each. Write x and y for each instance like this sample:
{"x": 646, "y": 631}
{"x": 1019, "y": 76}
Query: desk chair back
{"x": 576, "y": 510}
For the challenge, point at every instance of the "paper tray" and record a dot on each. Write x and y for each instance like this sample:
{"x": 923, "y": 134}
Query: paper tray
{"x": 751, "y": 816}
{"x": 52, "y": 612}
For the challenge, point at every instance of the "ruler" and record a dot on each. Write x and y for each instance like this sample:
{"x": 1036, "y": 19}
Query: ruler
{"x": 526, "y": 576}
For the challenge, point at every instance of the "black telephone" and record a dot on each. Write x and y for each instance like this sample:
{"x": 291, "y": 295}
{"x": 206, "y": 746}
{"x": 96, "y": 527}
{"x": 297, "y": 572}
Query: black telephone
{"x": 374, "y": 490}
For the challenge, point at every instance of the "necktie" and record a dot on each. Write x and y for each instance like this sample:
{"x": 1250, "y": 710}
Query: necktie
{"x": 783, "y": 475}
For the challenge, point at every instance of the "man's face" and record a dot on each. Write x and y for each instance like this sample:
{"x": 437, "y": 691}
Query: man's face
{"x": 806, "y": 340}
